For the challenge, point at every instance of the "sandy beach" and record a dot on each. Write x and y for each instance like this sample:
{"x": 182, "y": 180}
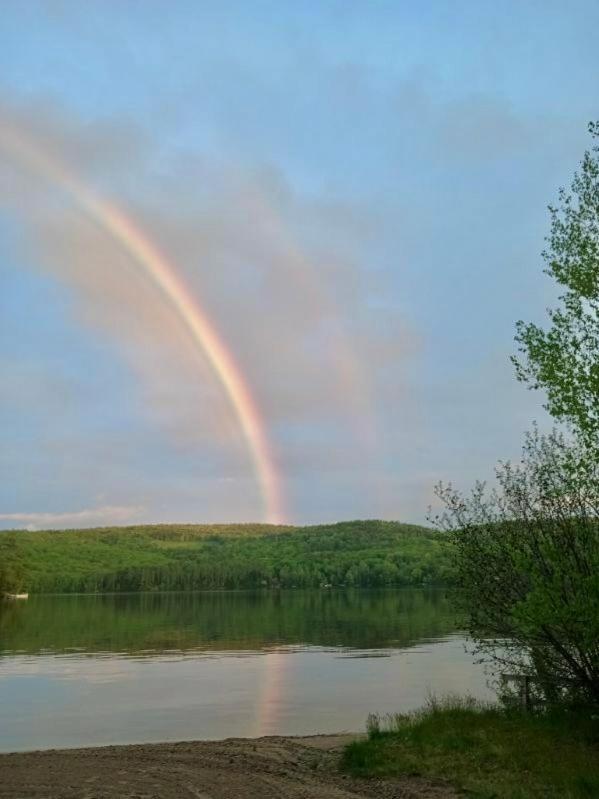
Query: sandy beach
{"x": 263, "y": 768}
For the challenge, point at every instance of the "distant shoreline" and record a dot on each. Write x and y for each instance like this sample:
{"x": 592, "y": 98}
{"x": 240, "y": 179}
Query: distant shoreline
{"x": 171, "y": 558}
{"x": 259, "y": 589}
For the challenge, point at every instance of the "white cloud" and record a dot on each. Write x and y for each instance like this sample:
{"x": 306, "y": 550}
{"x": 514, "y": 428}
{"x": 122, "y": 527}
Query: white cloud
{"x": 100, "y": 517}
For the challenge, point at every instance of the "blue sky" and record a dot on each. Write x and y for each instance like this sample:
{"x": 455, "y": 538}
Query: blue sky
{"x": 355, "y": 191}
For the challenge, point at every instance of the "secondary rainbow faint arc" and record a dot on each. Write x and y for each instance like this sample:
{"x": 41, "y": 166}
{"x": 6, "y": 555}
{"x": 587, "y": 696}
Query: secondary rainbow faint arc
{"x": 164, "y": 276}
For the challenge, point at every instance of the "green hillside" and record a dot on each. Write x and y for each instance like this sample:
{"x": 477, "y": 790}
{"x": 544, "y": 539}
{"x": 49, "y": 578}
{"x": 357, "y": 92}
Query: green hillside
{"x": 183, "y": 557}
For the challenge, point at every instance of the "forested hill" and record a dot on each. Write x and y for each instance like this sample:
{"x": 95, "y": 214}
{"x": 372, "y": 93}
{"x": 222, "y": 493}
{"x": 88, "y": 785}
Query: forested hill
{"x": 181, "y": 557}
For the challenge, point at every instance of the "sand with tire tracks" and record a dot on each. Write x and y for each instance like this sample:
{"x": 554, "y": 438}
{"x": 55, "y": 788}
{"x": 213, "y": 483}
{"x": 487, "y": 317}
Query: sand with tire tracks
{"x": 263, "y": 768}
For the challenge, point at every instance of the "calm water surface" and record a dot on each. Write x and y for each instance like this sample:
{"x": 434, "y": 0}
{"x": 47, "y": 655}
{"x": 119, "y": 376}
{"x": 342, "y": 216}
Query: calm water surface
{"x": 90, "y": 670}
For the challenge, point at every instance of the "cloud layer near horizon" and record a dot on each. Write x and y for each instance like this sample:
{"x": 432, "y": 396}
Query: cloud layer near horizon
{"x": 89, "y": 517}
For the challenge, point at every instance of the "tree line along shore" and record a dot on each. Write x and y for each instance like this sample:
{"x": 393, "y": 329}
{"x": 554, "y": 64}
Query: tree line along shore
{"x": 203, "y": 557}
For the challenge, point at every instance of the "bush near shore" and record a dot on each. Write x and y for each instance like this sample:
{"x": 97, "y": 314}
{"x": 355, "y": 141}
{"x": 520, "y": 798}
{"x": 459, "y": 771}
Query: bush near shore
{"x": 485, "y": 751}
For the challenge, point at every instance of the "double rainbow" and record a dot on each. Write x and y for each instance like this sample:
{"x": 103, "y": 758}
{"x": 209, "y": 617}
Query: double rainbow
{"x": 163, "y": 274}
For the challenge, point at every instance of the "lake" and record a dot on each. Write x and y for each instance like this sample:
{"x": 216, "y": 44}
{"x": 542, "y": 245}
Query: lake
{"x": 132, "y": 668}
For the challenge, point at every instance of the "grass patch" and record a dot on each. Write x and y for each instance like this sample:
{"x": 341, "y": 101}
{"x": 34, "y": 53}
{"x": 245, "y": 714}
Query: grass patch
{"x": 484, "y": 750}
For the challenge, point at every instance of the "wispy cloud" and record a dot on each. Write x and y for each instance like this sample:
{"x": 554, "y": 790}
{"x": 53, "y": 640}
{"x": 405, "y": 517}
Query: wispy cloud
{"x": 89, "y": 517}
{"x": 292, "y": 306}
{"x": 362, "y": 227}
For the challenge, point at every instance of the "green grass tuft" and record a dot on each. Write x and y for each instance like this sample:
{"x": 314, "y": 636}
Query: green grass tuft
{"x": 484, "y": 750}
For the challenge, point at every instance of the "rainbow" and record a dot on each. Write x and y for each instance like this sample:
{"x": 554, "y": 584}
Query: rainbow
{"x": 163, "y": 274}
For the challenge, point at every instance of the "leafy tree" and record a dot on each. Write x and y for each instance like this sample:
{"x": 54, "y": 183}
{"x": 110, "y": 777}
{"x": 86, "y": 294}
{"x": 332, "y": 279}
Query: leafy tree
{"x": 564, "y": 360}
{"x": 11, "y": 567}
{"x": 527, "y": 564}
